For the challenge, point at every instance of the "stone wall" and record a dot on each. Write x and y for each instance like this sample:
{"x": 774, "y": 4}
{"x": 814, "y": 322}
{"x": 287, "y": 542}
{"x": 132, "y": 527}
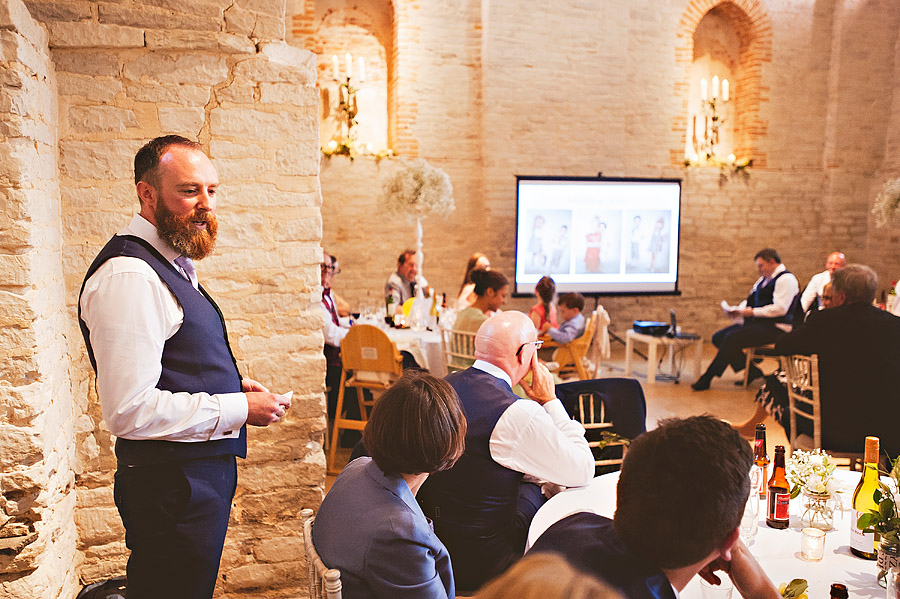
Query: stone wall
{"x": 37, "y": 495}
{"x": 490, "y": 90}
{"x": 217, "y": 71}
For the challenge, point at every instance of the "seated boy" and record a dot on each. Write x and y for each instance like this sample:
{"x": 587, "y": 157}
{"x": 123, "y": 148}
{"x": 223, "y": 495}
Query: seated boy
{"x": 569, "y": 309}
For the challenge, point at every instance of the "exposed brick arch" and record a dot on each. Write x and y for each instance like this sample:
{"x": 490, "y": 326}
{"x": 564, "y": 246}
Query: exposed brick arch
{"x": 403, "y": 77}
{"x": 754, "y": 31}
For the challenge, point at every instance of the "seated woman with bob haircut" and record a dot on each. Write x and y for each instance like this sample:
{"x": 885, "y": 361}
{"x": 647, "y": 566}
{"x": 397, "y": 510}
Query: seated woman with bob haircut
{"x": 369, "y": 525}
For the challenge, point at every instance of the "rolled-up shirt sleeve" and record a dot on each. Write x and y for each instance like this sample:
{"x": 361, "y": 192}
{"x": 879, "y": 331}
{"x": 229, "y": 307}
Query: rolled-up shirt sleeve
{"x": 543, "y": 442}
{"x": 130, "y": 314}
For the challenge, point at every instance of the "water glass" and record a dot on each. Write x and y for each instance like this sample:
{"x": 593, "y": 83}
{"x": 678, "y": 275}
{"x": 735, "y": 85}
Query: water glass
{"x": 893, "y": 583}
{"x": 812, "y": 544}
{"x": 750, "y": 519}
{"x": 717, "y": 591}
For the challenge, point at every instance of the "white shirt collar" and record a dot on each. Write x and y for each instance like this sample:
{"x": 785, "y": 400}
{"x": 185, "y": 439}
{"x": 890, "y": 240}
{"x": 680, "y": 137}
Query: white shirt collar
{"x": 141, "y": 227}
{"x": 492, "y": 370}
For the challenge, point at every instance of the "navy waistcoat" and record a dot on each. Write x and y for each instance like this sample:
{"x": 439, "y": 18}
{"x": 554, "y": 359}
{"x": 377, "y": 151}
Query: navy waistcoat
{"x": 197, "y": 358}
{"x": 764, "y": 295}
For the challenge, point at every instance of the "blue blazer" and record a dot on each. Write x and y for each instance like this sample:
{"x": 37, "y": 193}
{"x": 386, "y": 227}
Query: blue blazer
{"x": 371, "y": 529}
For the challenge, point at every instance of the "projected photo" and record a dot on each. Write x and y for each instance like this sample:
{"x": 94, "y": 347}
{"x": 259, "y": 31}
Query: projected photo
{"x": 649, "y": 232}
{"x": 548, "y": 243}
{"x": 598, "y": 242}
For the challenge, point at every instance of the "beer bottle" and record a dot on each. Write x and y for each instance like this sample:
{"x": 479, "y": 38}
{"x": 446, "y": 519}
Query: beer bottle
{"x": 761, "y": 458}
{"x": 778, "y": 499}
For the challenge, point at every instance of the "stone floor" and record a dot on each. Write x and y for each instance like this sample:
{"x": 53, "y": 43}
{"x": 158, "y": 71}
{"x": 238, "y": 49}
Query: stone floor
{"x": 668, "y": 398}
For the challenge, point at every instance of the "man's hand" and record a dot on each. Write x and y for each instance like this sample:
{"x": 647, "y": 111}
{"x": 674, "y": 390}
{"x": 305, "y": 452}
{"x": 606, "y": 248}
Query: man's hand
{"x": 541, "y": 388}
{"x": 248, "y": 385}
{"x": 264, "y": 408}
{"x": 745, "y": 572}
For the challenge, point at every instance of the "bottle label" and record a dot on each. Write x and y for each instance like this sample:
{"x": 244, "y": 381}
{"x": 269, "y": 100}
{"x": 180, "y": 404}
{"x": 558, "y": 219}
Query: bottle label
{"x": 779, "y": 506}
{"x": 859, "y": 540}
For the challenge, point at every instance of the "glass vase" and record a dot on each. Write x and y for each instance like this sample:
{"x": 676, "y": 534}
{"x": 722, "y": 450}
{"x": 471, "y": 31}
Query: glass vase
{"x": 817, "y": 511}
{"x": 888, "y": 557}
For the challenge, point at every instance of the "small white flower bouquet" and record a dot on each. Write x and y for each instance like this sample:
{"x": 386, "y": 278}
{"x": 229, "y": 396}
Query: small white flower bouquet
{"x": 811, "y": 470}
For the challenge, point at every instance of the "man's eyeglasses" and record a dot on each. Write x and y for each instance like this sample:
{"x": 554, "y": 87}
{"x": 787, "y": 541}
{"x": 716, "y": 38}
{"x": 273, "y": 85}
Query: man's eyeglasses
{"x": 537, "y": 345}
{"x": 334, "y": 269}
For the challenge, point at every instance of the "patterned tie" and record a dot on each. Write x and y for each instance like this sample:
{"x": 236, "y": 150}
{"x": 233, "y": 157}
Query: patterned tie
{"x": 187, "y": 267}
{"x": 329, "y": 303}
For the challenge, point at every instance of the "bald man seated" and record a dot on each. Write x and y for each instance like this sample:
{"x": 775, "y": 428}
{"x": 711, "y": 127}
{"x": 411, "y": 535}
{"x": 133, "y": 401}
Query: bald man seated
{"x": 812, "y": 295}
{"x": 482, "y": 506}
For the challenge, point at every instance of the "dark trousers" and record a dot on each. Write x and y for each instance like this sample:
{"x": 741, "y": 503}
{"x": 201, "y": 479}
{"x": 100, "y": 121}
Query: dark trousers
{"x": 732, "y": 340}
{"x": 175, "y": 517}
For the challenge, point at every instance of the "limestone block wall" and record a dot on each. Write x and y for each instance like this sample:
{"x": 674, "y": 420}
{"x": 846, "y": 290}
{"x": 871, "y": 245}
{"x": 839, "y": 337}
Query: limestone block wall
{"x": 37, "y": 484}
{"x": 489, "y": 90}
{"x": 217, "y": 71}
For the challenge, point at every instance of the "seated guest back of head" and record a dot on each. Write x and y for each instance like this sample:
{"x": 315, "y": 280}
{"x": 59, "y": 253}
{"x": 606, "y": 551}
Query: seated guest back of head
{"x": 679, "y": 502}
{"x": 369, "y": 525}
{"x": 545, "y": 310}
{"x": 570, "y": 307}
{"x": 859, "y": 360}
{"x": 482, "y": 507}
{"x": 491, "y": 290}
{"x": 477, "y": 261}
{"x": 545, "y": 576}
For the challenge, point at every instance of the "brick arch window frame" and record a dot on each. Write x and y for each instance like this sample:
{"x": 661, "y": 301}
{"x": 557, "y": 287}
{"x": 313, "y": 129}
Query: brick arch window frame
{"x": 754, "y": 31}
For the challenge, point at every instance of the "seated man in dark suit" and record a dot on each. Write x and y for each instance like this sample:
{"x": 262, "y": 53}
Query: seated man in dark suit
{"x": 482, "y": 507}
{"x": 680, "y": 499}
{"x": 859, "y": 360}
{"x": 767, "y": 314}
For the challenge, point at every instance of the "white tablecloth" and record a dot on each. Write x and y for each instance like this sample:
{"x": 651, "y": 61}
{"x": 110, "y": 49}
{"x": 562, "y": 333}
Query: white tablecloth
{"x": 778, "y": 551}
{"x": 425, "y": 347}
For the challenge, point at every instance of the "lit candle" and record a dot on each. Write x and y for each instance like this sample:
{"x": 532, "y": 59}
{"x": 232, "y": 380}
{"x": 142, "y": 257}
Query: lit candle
{"x": 335, "y": 67}
{"x": 362, "y": 69}
{"x": 715, "y": 87}
{"x": 349, "y": 60}
{"x": 332, "y": 145}
{"x": 724, "y": 90}
{"x": 703, "y": 89}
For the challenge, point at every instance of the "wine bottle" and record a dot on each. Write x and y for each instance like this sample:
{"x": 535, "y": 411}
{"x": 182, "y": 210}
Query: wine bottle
{"x": 778, "y": 499}
{"x": 865, "y": 544}
{"x": 761, "y": 458}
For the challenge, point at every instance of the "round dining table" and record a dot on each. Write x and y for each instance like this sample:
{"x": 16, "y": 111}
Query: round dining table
{"x": 778, "y": 551}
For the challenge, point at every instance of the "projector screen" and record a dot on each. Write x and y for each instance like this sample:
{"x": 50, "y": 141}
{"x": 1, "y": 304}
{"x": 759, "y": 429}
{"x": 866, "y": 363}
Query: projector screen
{"x": 598, "y": 235}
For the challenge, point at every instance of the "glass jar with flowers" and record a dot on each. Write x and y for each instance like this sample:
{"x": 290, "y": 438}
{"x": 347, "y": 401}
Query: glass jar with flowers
{"x": 812, "y": 474}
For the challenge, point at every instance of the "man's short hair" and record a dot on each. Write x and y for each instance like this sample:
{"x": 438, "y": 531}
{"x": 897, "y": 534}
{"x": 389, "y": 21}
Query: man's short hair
{"x": 572, "y": 300}
{"x": 682, "y": 490}
{"x": 147, "y": 158}
{"x": 416, "y": 426}
{"x": 405, "y": 255}
{"x": 768, "y": 255}
{"x": 857, "y": 282}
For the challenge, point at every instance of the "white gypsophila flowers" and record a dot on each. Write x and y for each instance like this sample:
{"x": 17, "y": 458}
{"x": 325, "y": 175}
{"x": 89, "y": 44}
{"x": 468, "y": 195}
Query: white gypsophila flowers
{"x": 812, "y": 470}
{"x": 416, "y": 190}
{"x": 887, "y": 202}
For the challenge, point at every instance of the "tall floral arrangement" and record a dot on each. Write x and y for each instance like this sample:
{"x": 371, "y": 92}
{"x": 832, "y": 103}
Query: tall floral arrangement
{"x": 887, "y": 202}
{"x": 415, "y": 191}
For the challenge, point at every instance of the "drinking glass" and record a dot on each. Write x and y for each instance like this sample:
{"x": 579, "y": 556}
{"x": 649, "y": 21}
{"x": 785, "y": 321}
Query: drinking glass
{"x": 893, "y": 583}
{"x": 717, "y": 591}
{"x": 812, "y": 544}
{"x": 750, "y": 519}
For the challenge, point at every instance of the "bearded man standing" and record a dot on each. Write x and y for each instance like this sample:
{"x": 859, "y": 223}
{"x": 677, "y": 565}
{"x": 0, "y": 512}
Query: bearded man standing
{"x": 168, "y": 382}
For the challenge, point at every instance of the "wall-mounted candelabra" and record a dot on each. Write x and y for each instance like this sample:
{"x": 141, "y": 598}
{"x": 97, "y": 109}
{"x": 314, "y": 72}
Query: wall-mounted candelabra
{"x": 713, "y": 96}
{"x": 348, "y": 83}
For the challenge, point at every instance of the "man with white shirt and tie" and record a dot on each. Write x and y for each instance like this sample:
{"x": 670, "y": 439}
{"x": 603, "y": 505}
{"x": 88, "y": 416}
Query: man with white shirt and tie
{"x": 335, "y": 328}
{"x": 766, "y": 313}
{"x": 483, "y": 505}
{"x": 168, "y": 382}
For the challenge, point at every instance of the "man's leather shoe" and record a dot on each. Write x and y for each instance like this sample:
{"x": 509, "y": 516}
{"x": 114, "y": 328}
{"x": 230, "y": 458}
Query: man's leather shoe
{"x": 702, "y": 384}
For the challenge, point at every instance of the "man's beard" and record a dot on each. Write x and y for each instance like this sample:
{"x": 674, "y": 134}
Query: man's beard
{"x": 180, "y": 234}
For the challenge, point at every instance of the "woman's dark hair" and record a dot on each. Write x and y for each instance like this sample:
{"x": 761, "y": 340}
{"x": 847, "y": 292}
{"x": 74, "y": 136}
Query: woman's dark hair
{"x": 470, "y": 266}
{"x": 488, "y": 279}
{"x": 546, "y": 289}
{"x": 416, "y": 426}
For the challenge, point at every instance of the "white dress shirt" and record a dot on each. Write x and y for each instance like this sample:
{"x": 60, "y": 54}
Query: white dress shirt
{"x": 131, "y": 313}
{"x": 786, "y": 287}
{"x": 540, "y": 441}
{"x": 814, "y": 289}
